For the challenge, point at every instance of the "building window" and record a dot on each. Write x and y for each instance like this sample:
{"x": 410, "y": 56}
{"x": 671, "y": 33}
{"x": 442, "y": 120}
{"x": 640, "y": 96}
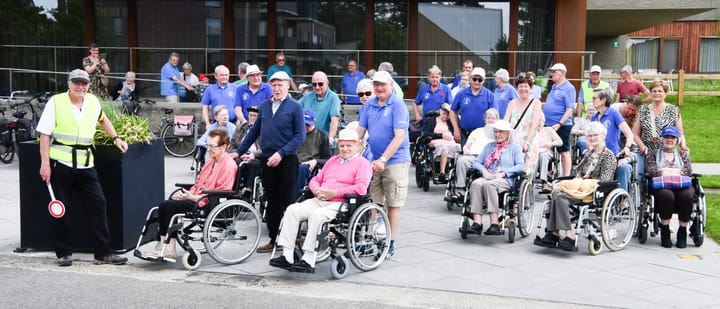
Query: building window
{"x": 709, "y": 55}
{"x": 213, "y": 31}
{"x": 643, "y": 53}
{"x": 670, "y": 55}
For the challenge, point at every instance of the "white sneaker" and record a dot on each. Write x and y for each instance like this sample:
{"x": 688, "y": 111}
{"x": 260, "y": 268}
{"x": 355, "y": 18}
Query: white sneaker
{"x": 380, "y": 227}
{"x": 612, "y": 233}
{"x": 169, "y": 256}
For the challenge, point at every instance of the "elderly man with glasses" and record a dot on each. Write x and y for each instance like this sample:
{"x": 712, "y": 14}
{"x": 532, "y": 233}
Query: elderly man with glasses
{"x": 559, "y": 106}
{"x": 325, "y": 104}
{"x": 254, "y": 93}
{"x": 471, "y": 103}
{"x": 281, "y": 65}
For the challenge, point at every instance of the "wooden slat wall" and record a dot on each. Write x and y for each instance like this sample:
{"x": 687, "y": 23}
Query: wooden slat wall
{"x": 689, "y": 33}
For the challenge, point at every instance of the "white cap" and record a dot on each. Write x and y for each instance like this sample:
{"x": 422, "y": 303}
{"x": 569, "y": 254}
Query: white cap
{"x": 382, "y": 77}
{"x": 281, "y": 75}
{"x": 348, "y": 135}
{"x": 79, "y": 75}
{"x": 502, "y": 125}
{"x": 558, "y": 66}
{"x": 595, "y": 68}
{"x": 252, "y": 69}
{"x": 478, "y": 71}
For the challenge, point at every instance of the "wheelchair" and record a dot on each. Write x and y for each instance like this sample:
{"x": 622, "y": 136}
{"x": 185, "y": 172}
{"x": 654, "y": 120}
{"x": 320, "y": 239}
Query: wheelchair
{"x": 227, "y": 228}
{"x": 650, "y": 220}
{"x": 451, "y": 189}
{"x": 517, "y": 208}
{"x": 606, "y": 219}
{"x": 360, "y": 227}
{"x": 427, "y": 167}
{"x": 257, "y": 198}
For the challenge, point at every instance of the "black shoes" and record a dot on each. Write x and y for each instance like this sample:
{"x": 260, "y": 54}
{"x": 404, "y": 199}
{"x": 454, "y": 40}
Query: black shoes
{"x": 476, "y": 228}
{"x": 665, "y": 236}
{"x": 550, "y": 240}
{"x": 111, "y": 259}
{"x": 281, "y": 262}
{"x": 299, "y": 267}
{"x": 681, "y": 237}
{"x": 302, "y": 267}
{"x": 64, "y": 261}
{"x": 494, "y": 229}
{"x": 567, "y": 244}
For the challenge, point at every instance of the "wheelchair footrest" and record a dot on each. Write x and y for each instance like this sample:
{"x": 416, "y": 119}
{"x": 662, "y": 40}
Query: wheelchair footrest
{"x": 138, "y": 254}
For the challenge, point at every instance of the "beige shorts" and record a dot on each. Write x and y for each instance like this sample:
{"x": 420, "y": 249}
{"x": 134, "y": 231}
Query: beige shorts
{"x": 390, "y": 186}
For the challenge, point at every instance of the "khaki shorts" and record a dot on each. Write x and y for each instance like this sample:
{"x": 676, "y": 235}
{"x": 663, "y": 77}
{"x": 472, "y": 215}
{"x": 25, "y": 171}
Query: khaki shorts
{"x": 390, "y": 186}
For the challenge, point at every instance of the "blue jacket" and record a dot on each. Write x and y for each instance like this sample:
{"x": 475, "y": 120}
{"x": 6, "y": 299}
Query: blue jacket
{"x": 512, "y": 160}
{"x": 283, "y": 132}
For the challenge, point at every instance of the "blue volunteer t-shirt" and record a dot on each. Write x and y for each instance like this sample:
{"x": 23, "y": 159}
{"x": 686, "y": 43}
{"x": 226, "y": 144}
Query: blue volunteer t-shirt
{"x": 472, "y": 108}
{"x": 503, "y": 97}
{"x": 611, "y": 120}
{"x": 216, "y": 95}
{"x": 432, "y": 100}
{"x": 559, "y": 99}
{"x": 380, "y": 121}
{"x": 324, "y": 109}
{"x": 349, "y": 86}
{"x": 168, "y": 87}
{"x": 245, "y": 98}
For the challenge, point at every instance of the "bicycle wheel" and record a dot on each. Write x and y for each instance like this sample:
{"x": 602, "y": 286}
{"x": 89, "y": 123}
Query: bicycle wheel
{"x": 177, "y": 146}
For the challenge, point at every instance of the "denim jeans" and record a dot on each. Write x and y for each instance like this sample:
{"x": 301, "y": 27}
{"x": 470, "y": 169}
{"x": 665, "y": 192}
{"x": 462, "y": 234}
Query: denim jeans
{"x": 622, "y": 174}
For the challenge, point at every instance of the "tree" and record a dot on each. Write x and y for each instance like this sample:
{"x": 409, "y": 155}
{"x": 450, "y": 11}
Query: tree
{"x": 500, "y": 60}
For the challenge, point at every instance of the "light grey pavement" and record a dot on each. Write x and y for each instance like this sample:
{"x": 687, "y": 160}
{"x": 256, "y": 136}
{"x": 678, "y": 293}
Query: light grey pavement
{"x": 431, "y": 255}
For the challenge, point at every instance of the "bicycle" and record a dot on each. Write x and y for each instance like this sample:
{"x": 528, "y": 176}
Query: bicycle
{"x": 177, "y": 145}
{"x": 132, "y": 107}
{"x": 20, "y": 129}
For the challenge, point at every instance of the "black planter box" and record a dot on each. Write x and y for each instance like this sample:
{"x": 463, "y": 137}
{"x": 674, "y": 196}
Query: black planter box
{"x": 133, "y": 183}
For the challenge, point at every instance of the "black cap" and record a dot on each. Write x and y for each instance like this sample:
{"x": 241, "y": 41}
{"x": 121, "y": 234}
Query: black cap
{"x": 254, "y": 108}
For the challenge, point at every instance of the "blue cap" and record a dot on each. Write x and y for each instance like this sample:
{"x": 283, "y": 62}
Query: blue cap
{"x": 309, "y": 117}
{"x": 670, "y": 131}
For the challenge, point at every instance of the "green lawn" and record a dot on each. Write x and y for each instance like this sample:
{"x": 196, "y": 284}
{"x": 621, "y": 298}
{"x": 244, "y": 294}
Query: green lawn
{"x": 712, "y": 228}
{"x": 701, "y": 126}
{"x": 710, "y": 181}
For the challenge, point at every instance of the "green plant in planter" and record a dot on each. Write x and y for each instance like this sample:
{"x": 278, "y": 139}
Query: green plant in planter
{"x": 132, "y": 129}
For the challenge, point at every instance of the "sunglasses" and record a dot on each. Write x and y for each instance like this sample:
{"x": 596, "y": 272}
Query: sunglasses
{"x": 281, "y": 60}
{"x": 366, "y": 93}
{"x": 320, "y": 84}
{"x": 477, "y": 79}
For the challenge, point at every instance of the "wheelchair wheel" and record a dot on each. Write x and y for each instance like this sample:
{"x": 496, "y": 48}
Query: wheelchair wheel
{"x": 368, "y": 244}
{"x": 177, "y": 146}
{"x": 464, "y": 227}
{"x": 697, "y": 227}
{"x": 526, "y": 208}
{"x": 594, "y": 245}
{"x": 339, "y": 267}
{"x": 191, "y": 259}
{"x": 232, "y": 232}
{"x": 511, "y": 233}
{"x": 642, "y": 229}
{"x": 426, "y": 181}
{"x": 617, "y": 220}
{"x": 419, "y": 174}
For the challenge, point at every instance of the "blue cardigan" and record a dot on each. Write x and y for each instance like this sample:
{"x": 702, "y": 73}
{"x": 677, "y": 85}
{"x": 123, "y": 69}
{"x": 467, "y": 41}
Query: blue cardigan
{"x": 283, "y": 132}
{"x": 512, "y": 160}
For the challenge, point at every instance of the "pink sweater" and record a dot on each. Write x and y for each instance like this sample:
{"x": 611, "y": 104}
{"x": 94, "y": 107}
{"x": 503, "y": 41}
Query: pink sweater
{"x": 353, "y": 176}
{"x": 214, "y": 175}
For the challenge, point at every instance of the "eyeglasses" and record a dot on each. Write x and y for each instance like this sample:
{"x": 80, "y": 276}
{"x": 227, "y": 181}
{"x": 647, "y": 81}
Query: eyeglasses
{"x": 366, "y": 93}
{"x": 281, "y": 60}
{"x": 212, "y": 146}
{"x": 320, "y": 84}
{"x": 477, "y": 79}
{"x": 593, "y": 135}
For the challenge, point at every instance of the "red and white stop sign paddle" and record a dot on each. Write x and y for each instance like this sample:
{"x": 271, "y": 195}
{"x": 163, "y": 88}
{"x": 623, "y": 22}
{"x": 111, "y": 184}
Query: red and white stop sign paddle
{"x": 56, "y": 207}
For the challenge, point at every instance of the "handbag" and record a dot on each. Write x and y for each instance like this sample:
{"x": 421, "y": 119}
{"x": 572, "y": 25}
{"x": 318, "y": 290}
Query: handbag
{"x": 671, "y": 182}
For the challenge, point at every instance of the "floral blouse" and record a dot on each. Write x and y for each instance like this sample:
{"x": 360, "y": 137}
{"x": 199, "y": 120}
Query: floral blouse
{"x": 600, "y": 166}
{"x": 649, "y": 137}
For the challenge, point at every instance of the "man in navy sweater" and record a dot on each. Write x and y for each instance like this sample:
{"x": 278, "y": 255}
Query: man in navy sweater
{"x": 281, "y": 129}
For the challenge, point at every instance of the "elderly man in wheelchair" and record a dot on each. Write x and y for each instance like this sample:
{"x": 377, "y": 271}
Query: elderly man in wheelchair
{"x": 344, "y": 174}
{"x": 499, "y": 163}
{"x": 218, "y": 174}
{"x": 593, "y": 201}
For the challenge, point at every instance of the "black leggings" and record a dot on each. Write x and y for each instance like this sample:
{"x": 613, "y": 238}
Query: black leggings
{"x": 168, "y": 208}
{"x": 667, "y": 201}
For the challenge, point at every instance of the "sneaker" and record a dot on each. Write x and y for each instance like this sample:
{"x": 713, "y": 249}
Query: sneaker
{"x": 567, "y": 244}
{"x": 442, "y": 178}
{"x": 380, "y": 227}
{"x": 550, "y": 240}
{"x": 64, "y": 261}
{"x": 169, "y": 257}
{"x": 302, "y": 267}
{"x": 281, "y": 262}
{"x": 365, "y": 250}
{"x": 111, "y": 259}
{"x": 267, "y": 248}
{"x": 545, "y": 188}
{"x": 612, "y": 232}
{"x": 391, "y": 252}
{"x": 494, "y": 229}
{"x": 476, "y": 228}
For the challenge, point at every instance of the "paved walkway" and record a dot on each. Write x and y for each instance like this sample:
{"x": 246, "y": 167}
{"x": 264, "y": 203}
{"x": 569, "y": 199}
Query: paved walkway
{"x": 431, "y": 255}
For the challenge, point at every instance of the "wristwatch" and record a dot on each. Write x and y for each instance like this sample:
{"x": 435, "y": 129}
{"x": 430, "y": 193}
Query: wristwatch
{"x": 383, "y": 159}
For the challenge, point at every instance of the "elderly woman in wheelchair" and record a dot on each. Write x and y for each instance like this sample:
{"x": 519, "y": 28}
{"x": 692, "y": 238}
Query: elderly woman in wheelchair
{"x": 347, "y": 173}
{"x": 498, "y": 164}
{"x": 596, "y": 168}
{"x": 669, "y": 172}
{"x": 218, "y": 174}
{"x": 441, "y": 132}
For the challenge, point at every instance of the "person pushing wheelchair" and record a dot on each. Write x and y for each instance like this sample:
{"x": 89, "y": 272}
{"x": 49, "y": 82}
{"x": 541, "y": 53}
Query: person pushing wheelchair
{"x": 346, "y": 173}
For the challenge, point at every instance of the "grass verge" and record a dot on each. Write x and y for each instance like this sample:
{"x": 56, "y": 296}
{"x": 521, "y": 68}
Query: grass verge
{"x": 712, "y": 227}
{"x": 700, "y": 126}
{"x": 710, "y": 181}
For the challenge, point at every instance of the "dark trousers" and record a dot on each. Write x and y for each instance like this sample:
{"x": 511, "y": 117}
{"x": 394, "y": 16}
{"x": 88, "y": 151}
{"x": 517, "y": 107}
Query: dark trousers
{"x": 168, "y": 208}
{"x": 303, "y": 178}
{"x": 250, "y": 170}
{"x": 80, "y": 189}
{"x": 667, "y": 201}
{"x": 279, "y": 184}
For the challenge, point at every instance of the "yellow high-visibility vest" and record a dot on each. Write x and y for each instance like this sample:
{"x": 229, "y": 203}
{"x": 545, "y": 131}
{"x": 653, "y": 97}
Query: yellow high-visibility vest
{"x": 68, "y": 135}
